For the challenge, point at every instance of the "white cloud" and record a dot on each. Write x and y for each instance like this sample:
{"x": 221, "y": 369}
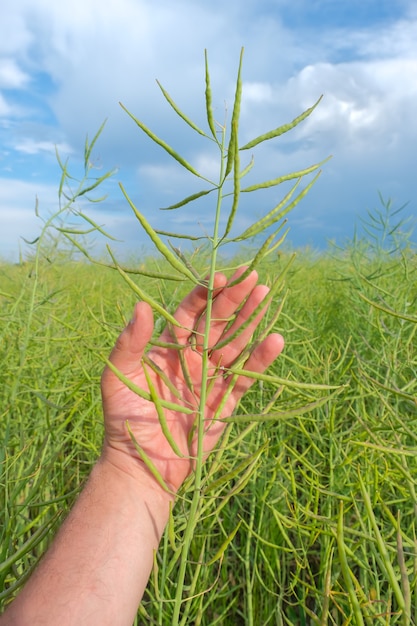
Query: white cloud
{"x": 31, "y": 146}
{"x": 96, "y": 55}
{"x": 99, "y": 56}
{"x": 11, "y": 75}
{"x": 370, "y": 100}
{"x": 397, "y": 40}
{"x": 5, "y": 109}
{"x": 15, "y": 29}
{"x": 257, "y": 92}
{"x": 17, "y": 212}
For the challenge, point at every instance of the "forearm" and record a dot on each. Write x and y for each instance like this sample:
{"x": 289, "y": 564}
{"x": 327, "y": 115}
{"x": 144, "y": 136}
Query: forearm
{"x": 99, "y": 563}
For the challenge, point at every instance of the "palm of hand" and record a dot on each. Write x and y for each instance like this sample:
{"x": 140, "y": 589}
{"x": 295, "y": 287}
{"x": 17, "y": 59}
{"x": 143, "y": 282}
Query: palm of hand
{"x": 178, "y": 379}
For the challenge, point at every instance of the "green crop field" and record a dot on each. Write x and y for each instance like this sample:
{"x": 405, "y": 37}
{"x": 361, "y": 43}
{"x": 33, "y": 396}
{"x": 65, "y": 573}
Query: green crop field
{"x": 306, "y": 511}
{"x": 322, "y": 498}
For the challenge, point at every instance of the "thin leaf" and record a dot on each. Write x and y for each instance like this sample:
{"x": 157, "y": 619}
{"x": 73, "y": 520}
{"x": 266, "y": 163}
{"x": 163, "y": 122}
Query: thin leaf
{"x": 274, "y": 214}
{"x": 166, "y": 344}
{"x": 149, "y": 464}
{"x": 405, "y": 582}
{"x": 270, "y": 378}
{"x": 89, "y": 147}
{"x": 227, "y": 477}
{"x": 264, "y": 303}
{"x": 171, "y": 529}
{"x": 248, "y": 168}
{"x": 281, "y": 129}
{"x": 188, "y": 199}
{"x": 96, "y": 183}
{"x": 64, "y": 174}
{"x": 237, "y": 487}
{"x": 386, "y": 450}
{"x": 159, "y": 372}
{"x": 97, "y": 200}
{"x": 159, "y": 244}
{"x": 116, "y": 266}
{"x": 263, "y": 252}
{"x": 164, "y": 145}
{"x": 180, "y": 113}
{"x": 186, "y": 262}
{"x": 144, "y": 394}
{"x": 278, "y": 415}
{"x": 96, "y": 226}
{"x": 209, "y": 106}
{"x": 166, "y": 233}
{"x": 266, "y": 331}
{"x": 29, "y": 544}
{"x": 281, "y": 179}
{"x": 382, "y": 549}
{"x": 388, "y": 310}
{"x": 220, "y": 552}
{"x": 347, "y": 572}
{"x": 233, "y": 148}
{"x": 277, "y": 212}
{"x": 144, "y": 296}
{"x": 161, "y": 414}
{"x": 391, "y": 390}
{"x": 148, "y": 273}
{"x": 236, "y": 187}
{"x": 30, "y": 242}
{"x": 184, "y": 366}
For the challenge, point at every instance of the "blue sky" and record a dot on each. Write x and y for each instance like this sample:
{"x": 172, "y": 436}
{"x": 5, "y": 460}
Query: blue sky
{"x": 64, "y": 67}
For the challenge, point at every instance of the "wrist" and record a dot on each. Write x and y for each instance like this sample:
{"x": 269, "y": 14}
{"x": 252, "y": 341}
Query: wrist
{"x": 100, "y": 560}
{"x": 133, "y": 473}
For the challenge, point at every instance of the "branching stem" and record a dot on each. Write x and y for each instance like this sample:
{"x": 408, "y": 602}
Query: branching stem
{"x": 200, "y": 417}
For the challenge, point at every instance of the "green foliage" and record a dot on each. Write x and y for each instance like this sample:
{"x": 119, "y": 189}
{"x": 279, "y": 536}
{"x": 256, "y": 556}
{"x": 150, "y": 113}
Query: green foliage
{"x": 320, "y": 508}
{"x": 306, "y": 513}
{"x": 181, "y": 265}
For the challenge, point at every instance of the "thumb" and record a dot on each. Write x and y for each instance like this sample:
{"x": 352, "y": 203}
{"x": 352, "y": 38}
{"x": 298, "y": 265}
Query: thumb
{"x": 130, "y": 346}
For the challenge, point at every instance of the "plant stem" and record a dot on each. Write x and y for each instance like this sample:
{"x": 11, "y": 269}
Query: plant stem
{"x": 200, "y": 418}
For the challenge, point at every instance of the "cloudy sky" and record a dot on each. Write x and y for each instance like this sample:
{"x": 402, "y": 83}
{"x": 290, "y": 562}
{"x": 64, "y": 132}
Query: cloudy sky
{"x": 65, "y": 66}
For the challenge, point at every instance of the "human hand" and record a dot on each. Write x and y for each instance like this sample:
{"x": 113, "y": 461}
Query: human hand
{"x": 182, "y": 384}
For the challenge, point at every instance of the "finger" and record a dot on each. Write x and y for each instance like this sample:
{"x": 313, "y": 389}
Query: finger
{"x": 260, "y": 359}
{"x": 190, "y": 310}
{"x": 229, "y": 353}
{"x": 226, "y": 303}
{"x": 130, "y": 346}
